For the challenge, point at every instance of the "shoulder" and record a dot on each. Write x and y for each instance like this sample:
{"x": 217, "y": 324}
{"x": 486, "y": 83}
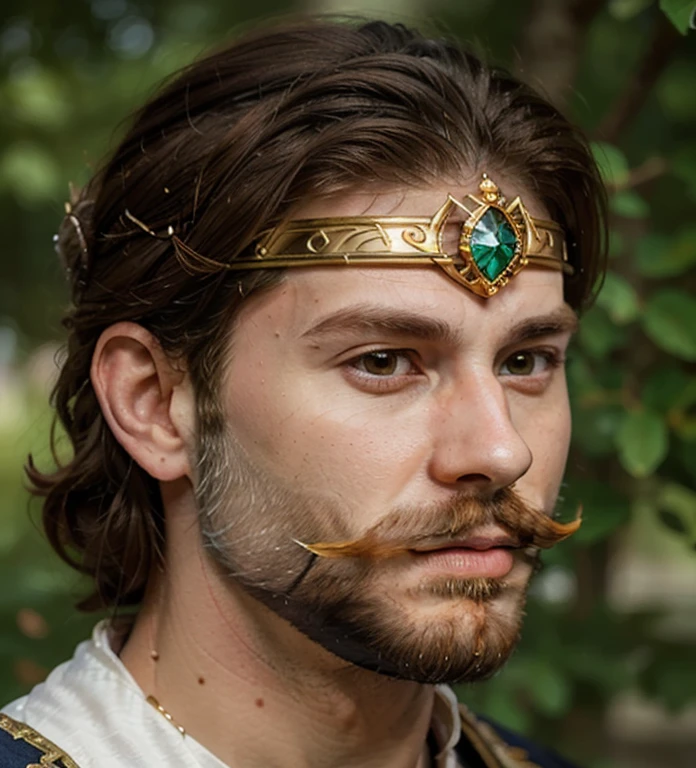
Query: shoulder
{"x": 509, "y": 749}
{"x": 23, "y": 747}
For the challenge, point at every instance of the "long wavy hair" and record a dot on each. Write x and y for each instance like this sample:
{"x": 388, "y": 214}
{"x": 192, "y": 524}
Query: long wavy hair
{"x": 225, "y": 150}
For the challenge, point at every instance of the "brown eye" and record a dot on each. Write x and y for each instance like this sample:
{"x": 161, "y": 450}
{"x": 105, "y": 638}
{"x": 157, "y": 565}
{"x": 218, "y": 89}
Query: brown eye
{"x": 520, "y": 364}
{"x": 381, "y": 363}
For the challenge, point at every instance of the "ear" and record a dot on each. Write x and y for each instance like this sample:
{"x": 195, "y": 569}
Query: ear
{"x": 147, "y": 402}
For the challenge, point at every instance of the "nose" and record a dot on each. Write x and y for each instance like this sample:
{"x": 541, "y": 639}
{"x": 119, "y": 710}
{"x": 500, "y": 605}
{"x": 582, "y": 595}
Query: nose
{"x": 477, "y": 446}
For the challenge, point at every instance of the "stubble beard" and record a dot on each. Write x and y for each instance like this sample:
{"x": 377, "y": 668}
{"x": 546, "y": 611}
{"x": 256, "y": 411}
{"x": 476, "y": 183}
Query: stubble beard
{"x": 250, "y": 522}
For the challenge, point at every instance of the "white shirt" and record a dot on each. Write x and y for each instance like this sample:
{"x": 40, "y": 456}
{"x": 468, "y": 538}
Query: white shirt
{"x": 94, "y": 711}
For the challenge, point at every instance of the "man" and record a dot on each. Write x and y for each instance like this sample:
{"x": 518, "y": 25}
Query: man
{"x": 322, "y": 294}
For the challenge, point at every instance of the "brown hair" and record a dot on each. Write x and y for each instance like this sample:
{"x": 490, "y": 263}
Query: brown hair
{"x": 285, "y": 113}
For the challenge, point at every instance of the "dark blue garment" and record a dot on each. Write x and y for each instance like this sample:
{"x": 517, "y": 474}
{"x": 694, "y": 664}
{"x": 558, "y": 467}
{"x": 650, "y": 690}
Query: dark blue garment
{"x": 16, "y": 753}
{"x": 21, "y": 746}
{"x": 520, "y": 749}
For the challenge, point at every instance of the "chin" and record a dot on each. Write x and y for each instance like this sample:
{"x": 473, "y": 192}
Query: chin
{"x": 448, "y": 631}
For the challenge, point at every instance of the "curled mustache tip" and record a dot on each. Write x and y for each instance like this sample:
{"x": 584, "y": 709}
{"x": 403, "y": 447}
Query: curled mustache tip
{"x": 334, "y": 549}
{"x": 573, "y": 525}
{"x": 320, "y": 549}
{"x": 558, "y": 531}
{"x": 327, "y": 549}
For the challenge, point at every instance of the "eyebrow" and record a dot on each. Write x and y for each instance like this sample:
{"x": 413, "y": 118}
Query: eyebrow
{"x": 561, "y": 320}
{"x": 395, "y": 322}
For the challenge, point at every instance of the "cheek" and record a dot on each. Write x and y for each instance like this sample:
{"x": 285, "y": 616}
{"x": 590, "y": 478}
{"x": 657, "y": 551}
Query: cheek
{"x": 329, "y": 439}
{"x": 545, "y": 426}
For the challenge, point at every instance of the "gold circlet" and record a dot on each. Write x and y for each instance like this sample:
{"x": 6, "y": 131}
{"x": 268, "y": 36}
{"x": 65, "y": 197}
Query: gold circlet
{"x": 496, "y": 241}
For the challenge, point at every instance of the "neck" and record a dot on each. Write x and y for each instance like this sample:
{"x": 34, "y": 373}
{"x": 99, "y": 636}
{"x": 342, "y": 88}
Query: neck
{"x": 255, "y": 691}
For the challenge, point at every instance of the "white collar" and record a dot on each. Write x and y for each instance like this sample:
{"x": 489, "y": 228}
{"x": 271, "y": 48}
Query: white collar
{"x": 94, "y": 710}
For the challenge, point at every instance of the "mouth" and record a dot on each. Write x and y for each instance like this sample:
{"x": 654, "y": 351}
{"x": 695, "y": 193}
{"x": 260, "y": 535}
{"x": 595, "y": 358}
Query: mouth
{"x": 480, "y": 543}
{"x": 475, "y": 556}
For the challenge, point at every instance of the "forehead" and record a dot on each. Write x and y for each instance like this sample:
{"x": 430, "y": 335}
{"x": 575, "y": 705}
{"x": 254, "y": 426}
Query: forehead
{"x": 353, "y": 298}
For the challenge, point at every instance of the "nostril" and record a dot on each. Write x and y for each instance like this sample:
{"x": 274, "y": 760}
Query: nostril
{"x": 474, "y": 477}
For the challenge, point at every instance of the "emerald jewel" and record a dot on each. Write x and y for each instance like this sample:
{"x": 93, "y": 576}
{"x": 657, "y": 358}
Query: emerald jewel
{"x": 493, "y": 244}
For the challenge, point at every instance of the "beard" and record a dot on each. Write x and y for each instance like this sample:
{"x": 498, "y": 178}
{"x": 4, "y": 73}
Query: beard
{"x": 357, "y": 597}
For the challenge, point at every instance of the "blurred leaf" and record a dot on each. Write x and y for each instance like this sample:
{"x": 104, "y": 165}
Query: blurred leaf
{"x": 612, "y": 163}
{"x": 674, "y": 92}
{"x": 594, "y": 429}
{"x": 616, "y": 242}
{"x": 603, "y": 511}
{"x": 683, "y": 166}
{"x": 679, "y": 12}
{"x": 28, "y": 672}
{"x": 670, "y": 321}
{"x": 501, "y": 706}
{"x": 685, "y": 427}
{"x": 659, "y": 256}
{"x": 37, "y": 97}
{"x": 686, "y": 452}
{"x": 29, "y": 171}
{"x": 581, "y": 379}
{"x": 548, "y": 688}
{"x": 680, "y": 501}
{"x": 619, "y": 299}
{"x": 627, "y": 9}
{"x": 630, "y": 205}
{"x": 665, "y": 388}
{"x": 672, "y": 521}
{"x": 671, "y": 677}
{"x": 598, "y": 667}
{"x": 598, "y": 335}
{"x": 642, "y": 442}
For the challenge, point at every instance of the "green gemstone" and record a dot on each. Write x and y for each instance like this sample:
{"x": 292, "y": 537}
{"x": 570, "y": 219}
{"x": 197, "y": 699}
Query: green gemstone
{"x": 493, "y": 243}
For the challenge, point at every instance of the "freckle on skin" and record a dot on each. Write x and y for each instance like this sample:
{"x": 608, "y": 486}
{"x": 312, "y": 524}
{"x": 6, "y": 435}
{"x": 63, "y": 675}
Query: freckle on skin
{"x": 259, "y": 703}
{"x": 201, "y": 681}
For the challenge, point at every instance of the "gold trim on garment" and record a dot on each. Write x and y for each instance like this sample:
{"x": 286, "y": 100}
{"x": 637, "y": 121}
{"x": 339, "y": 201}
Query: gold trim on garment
{"x": 53, "y": 756}
{"x": 494, "y": 752}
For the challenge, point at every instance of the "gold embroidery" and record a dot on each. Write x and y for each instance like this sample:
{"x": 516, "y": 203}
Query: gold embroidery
{"x": 494, "y": 752}
{"x": 53, "y": 756}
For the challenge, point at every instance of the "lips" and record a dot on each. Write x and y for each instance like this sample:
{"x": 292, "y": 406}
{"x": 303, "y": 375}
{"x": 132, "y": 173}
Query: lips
{"x": 485, "y": 554}
{"x": 479, "y": 542}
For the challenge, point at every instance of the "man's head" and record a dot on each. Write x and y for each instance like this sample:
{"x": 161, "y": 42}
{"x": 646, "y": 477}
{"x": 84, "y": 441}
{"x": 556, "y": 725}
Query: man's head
{"x": 385, "y": 406}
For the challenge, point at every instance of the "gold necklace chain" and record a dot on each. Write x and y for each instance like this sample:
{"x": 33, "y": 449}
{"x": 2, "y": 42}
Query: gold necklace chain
{"x": 153, "y": 701}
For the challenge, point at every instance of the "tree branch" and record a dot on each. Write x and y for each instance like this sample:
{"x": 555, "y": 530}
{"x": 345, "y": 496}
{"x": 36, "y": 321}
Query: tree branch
{"x": 651, "y": 169}
{"x": 639, "y": 86}
{"x": 551, "y": 45}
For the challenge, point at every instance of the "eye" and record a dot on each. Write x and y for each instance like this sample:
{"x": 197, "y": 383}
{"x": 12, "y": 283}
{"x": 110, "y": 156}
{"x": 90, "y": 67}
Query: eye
{"x": 384, "y": 371}
{"x": 384, "y": 363}
{"x": 530, "y": 363}
{"x": 520, "y": 364}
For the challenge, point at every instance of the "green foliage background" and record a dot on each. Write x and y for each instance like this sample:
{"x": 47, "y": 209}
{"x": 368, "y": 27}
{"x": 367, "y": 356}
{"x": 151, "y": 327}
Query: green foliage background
{"x": 626, "y": 71}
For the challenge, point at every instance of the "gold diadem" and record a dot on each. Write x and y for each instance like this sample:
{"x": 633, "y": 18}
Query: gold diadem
{"x": 496, "y": 240}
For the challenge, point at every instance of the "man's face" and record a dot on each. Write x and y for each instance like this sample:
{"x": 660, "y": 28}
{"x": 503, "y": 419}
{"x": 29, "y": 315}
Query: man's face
{"x": 390, "y": 404}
